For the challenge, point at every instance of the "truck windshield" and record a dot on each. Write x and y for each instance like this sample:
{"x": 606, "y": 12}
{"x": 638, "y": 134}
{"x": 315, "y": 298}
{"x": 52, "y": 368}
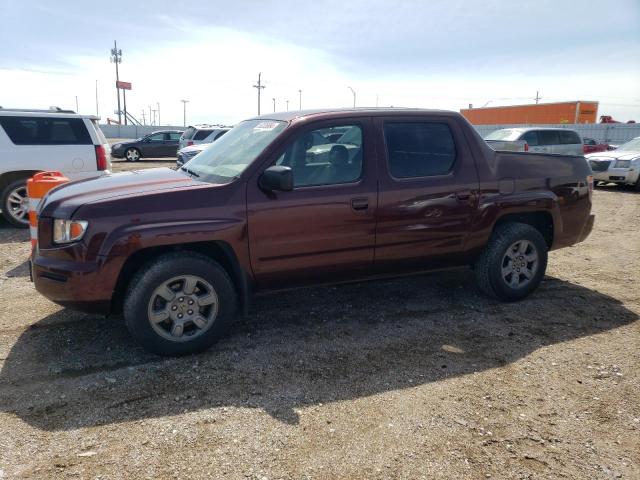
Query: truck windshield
{"x": 631, "y": 145}
{"x": 226, "y": 158}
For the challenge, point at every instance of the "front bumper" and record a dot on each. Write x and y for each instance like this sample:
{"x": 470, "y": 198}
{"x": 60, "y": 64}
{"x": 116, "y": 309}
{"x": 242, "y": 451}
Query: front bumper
{"x": 76, "y": 284}
{"x": 618, "y": 175}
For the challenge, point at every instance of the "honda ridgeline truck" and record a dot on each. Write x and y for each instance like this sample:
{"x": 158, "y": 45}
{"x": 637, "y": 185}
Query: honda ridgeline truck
{"x": 299, "y": 198}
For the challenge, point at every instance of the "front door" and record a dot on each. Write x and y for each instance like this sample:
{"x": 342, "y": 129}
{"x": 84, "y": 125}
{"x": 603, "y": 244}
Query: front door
{"x": 154, "y": 145}
{"x": 325, "y": 227}
{"x": 428, "y": 193}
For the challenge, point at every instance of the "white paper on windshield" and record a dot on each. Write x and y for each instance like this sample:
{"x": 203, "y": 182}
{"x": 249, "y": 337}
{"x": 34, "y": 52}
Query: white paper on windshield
{"x": 265, "y": 126}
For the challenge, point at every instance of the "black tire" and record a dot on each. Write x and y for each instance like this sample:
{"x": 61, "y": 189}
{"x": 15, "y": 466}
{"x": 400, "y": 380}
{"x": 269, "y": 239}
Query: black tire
{"x": 637, "y": 185}
{"x": 489, "y": 267}
{"x": 150, "y": 277}
{"x": 7, "y": 202}
{"x": 135, "y": 154}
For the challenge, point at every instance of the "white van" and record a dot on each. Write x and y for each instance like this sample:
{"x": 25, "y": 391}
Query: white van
{"x": 562, "y": 141}
{"x": 33, "y": 141}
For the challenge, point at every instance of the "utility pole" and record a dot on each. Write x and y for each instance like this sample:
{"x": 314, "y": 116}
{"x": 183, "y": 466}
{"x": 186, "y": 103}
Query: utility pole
{"x": 116, "y": 57}
{"x": 77, "y": 104}
{"x": 287, "y": 105}
{"x": 97, "y": 111}
{"x": 274, "y": 105}
{"x": 538, "y": 98}
{"x": 300, "y": 102}
{"x": 184, "y": 112}
{"x": 154, "y": 117}
{"x": 259, "y": 86}
{"x": 150, "y": 121}
{"x": 124, "y": 104}
{"x": 158, "y": 105}
{"x": 376, "y": 100}
{"x": 144, "y": 118}
{"x": 354, "y": 96}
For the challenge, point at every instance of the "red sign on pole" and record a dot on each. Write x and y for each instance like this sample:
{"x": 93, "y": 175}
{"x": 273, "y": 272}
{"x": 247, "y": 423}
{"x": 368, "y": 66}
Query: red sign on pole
{"x": 123, "y": 85}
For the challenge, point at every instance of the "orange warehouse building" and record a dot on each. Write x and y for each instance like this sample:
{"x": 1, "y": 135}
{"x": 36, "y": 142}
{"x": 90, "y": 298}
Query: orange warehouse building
{"x": 535, "y": 114}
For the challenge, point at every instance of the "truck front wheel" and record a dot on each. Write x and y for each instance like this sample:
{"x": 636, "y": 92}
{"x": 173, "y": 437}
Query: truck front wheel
{"x": 180, "y": 303}
{"x": 513, "y": 262}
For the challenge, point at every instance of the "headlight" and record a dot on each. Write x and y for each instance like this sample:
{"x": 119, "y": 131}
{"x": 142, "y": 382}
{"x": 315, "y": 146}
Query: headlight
{"x": 67, "y": 231}
{"x": 622, "y": 164}
{"x": 116, "y": 146}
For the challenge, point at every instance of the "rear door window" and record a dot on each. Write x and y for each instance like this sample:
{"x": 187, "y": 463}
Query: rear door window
{"x": 46, "y": 131}
{"x": 567, "y": 137}
{"x": 531, "y": 138}
{"x": 174, "y": 136}
{"x": 419, "y": 149}
{"x": 202, "y": 134}
{"x": 549, "y": 137}
{"x": 220, "y": 134}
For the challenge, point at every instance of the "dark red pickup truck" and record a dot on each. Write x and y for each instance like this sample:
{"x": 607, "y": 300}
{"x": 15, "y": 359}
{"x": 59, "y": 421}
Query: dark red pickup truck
{"x": 305, "y": 197}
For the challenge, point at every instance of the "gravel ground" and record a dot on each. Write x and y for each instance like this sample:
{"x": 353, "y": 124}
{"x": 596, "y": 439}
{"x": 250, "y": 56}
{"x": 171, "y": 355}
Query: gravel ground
{"x": 420, "y": 377}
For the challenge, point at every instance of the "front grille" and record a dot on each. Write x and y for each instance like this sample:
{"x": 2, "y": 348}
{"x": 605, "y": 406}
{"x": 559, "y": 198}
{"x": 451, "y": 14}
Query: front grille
{"x": 599, "y": 166}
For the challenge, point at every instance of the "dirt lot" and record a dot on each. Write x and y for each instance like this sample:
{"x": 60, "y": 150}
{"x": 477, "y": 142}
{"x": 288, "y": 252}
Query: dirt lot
{"x": 419, "y": 377}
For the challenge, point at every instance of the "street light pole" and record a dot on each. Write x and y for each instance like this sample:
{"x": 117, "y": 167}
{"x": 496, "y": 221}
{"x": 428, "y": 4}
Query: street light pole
{"x": 158, "y": 105}
{"x": 300, "y": 102}
{"x": 116, "y": 57}
{"x": 184, "y": 112}
{"x": 354, "y": 96}
{"x": 150, "y": 121}
{"x": 260, "y": 87}
{"x": 274, "y": 105}
{"x": 287, "y": 105}
{"x": 77, "y": 104}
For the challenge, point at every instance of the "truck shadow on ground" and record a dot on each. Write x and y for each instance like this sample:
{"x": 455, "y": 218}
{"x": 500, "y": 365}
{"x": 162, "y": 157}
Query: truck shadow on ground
{"x": 300, "y": 348}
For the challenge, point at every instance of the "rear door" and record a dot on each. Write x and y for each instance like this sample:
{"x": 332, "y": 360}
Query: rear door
{"x": 48, "y": 143}
{"x": 428, "y": 192}
{"x": 171, "y": 144}
{"x": 325, "y": 227}
{"x": 548, "y": 141}
{"x": 570, "y": 143}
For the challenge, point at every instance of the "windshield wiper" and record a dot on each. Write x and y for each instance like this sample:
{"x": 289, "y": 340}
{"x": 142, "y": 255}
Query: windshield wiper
{"x": 190, "y": 172}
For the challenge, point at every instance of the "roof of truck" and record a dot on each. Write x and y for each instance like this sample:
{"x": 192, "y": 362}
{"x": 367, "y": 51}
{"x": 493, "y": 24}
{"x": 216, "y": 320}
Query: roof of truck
{"x": 349, "y": 112}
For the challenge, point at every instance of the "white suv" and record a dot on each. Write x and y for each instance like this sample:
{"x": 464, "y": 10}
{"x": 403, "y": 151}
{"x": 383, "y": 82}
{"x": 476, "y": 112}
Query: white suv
{"x": 33, "y": 141}
{"x": 561, "y": 141}
{"x": 197, "y": 134}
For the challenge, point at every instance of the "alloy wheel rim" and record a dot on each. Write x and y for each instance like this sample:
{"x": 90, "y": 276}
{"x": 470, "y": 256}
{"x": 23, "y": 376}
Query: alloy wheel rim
{"x": 18, "y": 204}
{"x": 132, "y": 155}
{"x": 183, "y": 308}
{"x": 520, "y": 264}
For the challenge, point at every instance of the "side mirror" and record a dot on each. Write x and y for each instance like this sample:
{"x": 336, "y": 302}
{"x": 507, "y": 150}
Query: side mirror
{"x": 278, "y": 178}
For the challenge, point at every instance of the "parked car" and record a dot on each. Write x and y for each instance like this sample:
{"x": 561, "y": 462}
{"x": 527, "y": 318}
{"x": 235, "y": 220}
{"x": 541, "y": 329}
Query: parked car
{"x": 187, "y": 153}
{"x": 591, "y": 146}
{"x": 32, "y": 141}
{"x": 197, "y": 134}
{"x": 539, "y": 140}
{"x": 621, "y": 166}
{"x": 163, "y": 143}
{"x": 401, "y": 191}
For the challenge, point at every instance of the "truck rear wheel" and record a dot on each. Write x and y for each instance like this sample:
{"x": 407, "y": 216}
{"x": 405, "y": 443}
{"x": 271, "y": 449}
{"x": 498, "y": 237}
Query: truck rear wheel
{"x": 513, "y": 262}
{"x": 180, "y": 303}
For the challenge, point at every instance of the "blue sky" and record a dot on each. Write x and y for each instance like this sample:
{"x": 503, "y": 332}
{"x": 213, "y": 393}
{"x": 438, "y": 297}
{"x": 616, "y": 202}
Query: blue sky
{"x": 440, "y": 54}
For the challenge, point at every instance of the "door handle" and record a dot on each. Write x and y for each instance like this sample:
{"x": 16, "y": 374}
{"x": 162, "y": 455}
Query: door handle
{"x": 463, "y": 195}
{"x": 360, "y": 203}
